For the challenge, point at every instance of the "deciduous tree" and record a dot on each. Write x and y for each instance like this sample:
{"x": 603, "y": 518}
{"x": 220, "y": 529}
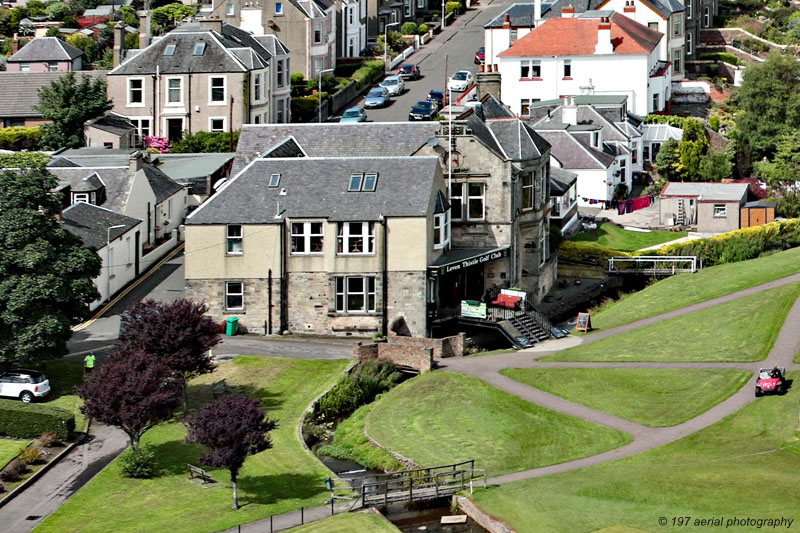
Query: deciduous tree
{"x": 133, "y": 390}
{"x": 667, "y": 161}
{"x": 68, "y": 103}
{"x": 233, "y": 427}
{"x": 715, "y": 166}
{"x": 45, "y": 272}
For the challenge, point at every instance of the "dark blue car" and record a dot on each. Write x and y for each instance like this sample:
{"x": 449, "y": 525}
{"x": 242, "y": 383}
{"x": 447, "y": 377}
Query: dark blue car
{"x": 422, "y": 111}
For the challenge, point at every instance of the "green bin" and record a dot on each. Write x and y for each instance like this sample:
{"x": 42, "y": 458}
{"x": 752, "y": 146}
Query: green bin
{"x": 231, "y": 325}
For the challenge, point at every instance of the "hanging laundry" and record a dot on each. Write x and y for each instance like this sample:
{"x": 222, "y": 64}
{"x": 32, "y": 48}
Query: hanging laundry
{"x": 621, "y": 208}
{"x": 640, "y": 203}
{"x": 629, "y": 206}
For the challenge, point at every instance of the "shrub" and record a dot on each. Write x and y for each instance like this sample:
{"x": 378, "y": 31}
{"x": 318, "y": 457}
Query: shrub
{"x": 719, "y": 56}
{"x": 409, "y": 28}
{"x": 297, "y": 78}
{"x": 367, "y": 380}
{"x": 369, "y": 72}
{"x": 206, "y": 142}
{"x": 19, "y": 138}
{"x": 449, "y": 7}
{"x": 422, "y": 29}
{"x": 586, "y": 253}
{"x": 29, "y": 455}
{"x": 27, "y": 421}
{"x": 23, "y": 160}
{"x": 304, "y": 108}
{"x": 48, "y": 440}
{"x": 138, "y": 463}
{"x": 672, "y": 120}
{"x": 14, "y": 471}
{"x": 713, "y": 122}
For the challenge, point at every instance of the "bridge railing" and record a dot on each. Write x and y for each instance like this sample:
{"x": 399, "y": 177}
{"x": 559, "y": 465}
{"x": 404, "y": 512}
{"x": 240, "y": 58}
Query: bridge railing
{"x": 423, "y": 487}
{"x": 655, "y": 264}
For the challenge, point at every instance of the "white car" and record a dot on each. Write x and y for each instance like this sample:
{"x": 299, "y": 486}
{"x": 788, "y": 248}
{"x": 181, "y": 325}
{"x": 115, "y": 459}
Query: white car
{"x": 460, "y": 81}
{"x": 394, "y": 84}
{"x": 27, "y": 385}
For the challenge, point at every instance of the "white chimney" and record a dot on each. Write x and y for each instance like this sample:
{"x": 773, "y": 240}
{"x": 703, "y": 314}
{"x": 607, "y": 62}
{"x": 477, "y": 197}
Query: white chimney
{"x": 569, "y": 111}
{"x": 537, "y": 12}
{"x": 604, "y": 45}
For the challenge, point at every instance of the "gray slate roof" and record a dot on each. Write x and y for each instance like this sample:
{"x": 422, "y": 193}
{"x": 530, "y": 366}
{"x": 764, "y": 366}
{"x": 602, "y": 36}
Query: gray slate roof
{"x": 335, "y": 140}
{"x": 182, "y": 168}
{"x": 561, "y": 180}
{"x": 117, "y": 182}
{"x": 517, "y": 140}
{"x": 163, "y": 187}
{"x": 579, "y": 6}
{"x": 317, "y": 188}
{"x": 45, "y": 49}
{"x": 665, "y": 7}
{"x": 520, "y": 16}
{"x": 572, "y": 154}
{"x": 722, "y": 192}
{"x": 91, "y": 223}
{"x": 112, "y": 123}
{"x": 19, "y": 91}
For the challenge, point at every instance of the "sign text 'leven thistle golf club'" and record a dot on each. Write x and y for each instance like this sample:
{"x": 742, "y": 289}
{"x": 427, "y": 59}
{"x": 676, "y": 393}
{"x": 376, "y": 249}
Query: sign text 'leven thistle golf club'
{"x": 466, "y": 263}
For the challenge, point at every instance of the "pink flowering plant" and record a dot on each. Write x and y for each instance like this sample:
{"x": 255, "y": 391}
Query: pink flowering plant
{"x": 158, "y": 144}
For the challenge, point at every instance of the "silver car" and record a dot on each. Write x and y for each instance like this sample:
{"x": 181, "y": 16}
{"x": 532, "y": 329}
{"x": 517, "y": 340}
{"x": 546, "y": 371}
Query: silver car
{"x": 394, "y": 84}
{"x": 27, "y": 385}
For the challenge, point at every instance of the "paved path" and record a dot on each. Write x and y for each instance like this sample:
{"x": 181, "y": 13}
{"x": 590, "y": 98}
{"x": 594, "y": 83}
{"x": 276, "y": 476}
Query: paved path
{"x": 644, "y": 438}
{"x": 27, "y": 510}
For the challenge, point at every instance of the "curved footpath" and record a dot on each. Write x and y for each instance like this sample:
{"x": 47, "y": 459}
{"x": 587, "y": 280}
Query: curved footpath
{"x": 644, "y": 438}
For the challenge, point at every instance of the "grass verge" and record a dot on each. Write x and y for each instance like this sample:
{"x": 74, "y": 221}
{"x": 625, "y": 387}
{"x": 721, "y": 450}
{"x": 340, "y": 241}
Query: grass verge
{"x": 686, "y": 289}
{"x": 349, "y": 442}
{"x": 739, "y": 467}
{"x": 272, "y": 482}
{"x": 348, "y": 523}
{"x": 739, "y": 330}
{"x": 9, "y": 448}
{"x": 440, "y": 418}
{"x": 654, "y": 397}
{"x": 608, "y": 235}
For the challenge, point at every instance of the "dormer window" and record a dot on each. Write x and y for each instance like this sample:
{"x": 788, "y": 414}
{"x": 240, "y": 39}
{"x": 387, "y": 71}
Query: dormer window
{"x": 199, "y": 48}
{"x": 81, "y": 197}
{"x": 355, "y": 183}
{"x": 170, "y": 50}
{"x": 274, "y": 180}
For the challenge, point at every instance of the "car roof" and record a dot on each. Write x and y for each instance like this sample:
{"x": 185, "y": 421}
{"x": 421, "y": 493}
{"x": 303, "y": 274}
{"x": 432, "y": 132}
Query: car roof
{"x": 393, "y": 77}
{"x": 406, "y": 65}
{"x": 352, "y": 109}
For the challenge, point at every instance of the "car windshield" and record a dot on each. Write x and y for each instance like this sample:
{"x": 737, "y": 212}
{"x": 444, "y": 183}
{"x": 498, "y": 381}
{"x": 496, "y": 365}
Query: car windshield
{"x": 350, "y": 113}
{"x": 390, "y": 81}
{"x": 436, "y": 94}
{"x": 460, "y": 76}
{"x": 375, "y": 92}
{"x": 422, "y": 106}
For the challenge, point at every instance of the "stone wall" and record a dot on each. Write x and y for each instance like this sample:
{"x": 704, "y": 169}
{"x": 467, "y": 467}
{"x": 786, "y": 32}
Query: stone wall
{"x": 413, "y": 356}
{"x": 446, "y": 347}
{"x": 406, "y": 299}
{"x": 484, "y": 520}
{"x": 254, "y": 318}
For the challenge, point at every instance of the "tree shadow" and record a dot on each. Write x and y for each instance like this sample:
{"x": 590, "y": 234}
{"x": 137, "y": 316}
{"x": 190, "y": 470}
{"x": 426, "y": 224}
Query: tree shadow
{"x": 173, "y": 456}
{"x": 270, "y": 489}
{"x": 201, "y": 394}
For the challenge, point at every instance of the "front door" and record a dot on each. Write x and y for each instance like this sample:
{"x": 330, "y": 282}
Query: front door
{"x": 174, "y": 129}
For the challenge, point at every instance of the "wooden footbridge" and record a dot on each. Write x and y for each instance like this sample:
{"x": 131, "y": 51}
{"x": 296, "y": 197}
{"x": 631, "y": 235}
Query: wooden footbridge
{"x": 420, "y": 484}
{"x": 653, "y": 265}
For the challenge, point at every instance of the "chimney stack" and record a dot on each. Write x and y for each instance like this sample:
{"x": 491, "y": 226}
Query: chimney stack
{"x": 212, "y": 24}
{"x": 569, "y": 111}
{"x": 144, "y": 29}
{"x": 604, "y": 45}
{"x": 135, "y": 162}
{"x": 118, "y": 53}
{"x": 14, "y": 44}
{"x": 488, "y": 83}
{"x": 567, "y": 12}
{"x": 506, "y": 22}
{"x": 630, "y": 7}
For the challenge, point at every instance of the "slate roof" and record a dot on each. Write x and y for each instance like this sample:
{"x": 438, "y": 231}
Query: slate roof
{"x": 117, "y": 182}
{"x": 335, "y": 140}
{"x": 182, "y": 168}
{"x": 760, "y": 203}
{"x": 91, "y": 223}
{"x": 578, "y": 36}
{"x": 561, "y": 180}
{"x": 491, "y": 107}
{"x": 572, "y": 154}
{"x": 316, "y": 187}
{"x": 720, "y": 192}
{"x": 112, "y": 123}
{"x": 520, "y": 16}
{"x": 234, "y": 50}
{"x": 665, "y": 8}
{"x": 586, "y": 116}
{"x": 163, "y": 186}
{"x": 517, "y": 140}
{"x": 273, "y": 45}
{"x": 15, "y": 102}
{"x": 45, "y": 49}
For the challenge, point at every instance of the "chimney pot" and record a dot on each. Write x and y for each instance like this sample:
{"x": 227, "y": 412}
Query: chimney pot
{"x": 506, "y": 21}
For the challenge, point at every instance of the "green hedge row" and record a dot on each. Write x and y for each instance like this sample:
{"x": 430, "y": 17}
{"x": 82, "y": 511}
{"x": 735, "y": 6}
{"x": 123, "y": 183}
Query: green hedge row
{"x": 369, "y": 72}
{"x": 19, "y": 138}
{"x": 29, "y": 420}
{"x": 740, "y": 245}
{"x": 586, "y": 253}
{"x": 719, "y": 56}
{"x": 672, "y": 120}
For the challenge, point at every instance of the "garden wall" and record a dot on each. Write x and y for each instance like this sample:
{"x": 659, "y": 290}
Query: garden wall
{"x": 415, "y": 352}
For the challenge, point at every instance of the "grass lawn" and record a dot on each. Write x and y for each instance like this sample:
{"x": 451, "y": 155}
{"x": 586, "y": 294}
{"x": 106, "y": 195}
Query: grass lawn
{"x": 739, "y": 330}
{"x": 440, "y": 418}
{"x": 654, "y": 397}
{"x": 608, "y": 235}
{"x": 743, "y": 466}
{"x": 272, "y": 482}
{"x": 9, "y": 448}
{"x": 348, "y": 523}
{"x": 64, "y": 375}
{"x": 349, "y": 442}
{"x": 686, "y": 289}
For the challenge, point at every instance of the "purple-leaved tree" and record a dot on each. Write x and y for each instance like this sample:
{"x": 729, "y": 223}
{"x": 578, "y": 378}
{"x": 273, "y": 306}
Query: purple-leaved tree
{"x": 233, "y": 427}
{"x": 177, "y": 333}
{"x": 133, "y": 391}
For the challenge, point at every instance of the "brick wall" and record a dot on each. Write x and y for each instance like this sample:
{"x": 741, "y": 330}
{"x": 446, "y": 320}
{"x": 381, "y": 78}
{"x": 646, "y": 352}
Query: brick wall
{"x": 447, "y": 347}
{"x": 415, "y": 352}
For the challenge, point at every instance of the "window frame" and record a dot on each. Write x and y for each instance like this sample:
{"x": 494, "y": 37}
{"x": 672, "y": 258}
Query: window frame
{"x": 229, "y": 294}
{"x": 677, "y": 26}
{"x": 706, "y": 16}
{"x": 676, "y": 61}
{"x": 720, "y": 211}
{"x": 542, "y": 250}
{"x": 344, "y": 237}
{"x": 342, "y": 295}
{"x": 528, "y": 180}
{"x": 211, "y": 88}
{"x": 279, "y": 74}
{"x": 525, "y": 107}
{"x": 84, "y": 197}
{"x": 130, "y": 90}
{"x": 231, "y": 238}
{"x": 481, "y": 198}
{"x": 279, "y": 111}
{"x": 459, "y": 197}
{"x": 230, "y": 10}
{"x": 211, "y": 121}
{"x": 307, "y": 237}
{"x": 179, "y": 101}
{"x": 567, "y": 69}
{"x": 689, "y": 43}
{"x": 441, "y": 230}
{"x": 355, "y": 186}
{"x": 274, "y": 181}
{"x": 257, "y": 87}
{"x": 689, "y": 9}
{"x": 278, "y": 9}
{"x": 317, "y": 37}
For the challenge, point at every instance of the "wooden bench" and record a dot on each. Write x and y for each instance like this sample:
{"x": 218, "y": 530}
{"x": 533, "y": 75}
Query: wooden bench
{"x": 196, "y": 472}
{"x": 220, "y": 387}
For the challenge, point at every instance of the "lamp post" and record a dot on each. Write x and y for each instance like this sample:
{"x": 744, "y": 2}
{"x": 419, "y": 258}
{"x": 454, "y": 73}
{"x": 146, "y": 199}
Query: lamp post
{"x": 386, "y": 39}
{"x": 108, "y": 259}
{"x": 444, "y": 21}
{"x": 319, "y": 94}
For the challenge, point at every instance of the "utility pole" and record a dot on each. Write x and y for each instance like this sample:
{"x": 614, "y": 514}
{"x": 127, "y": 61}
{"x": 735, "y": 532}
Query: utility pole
{"x": 445, "y": 76}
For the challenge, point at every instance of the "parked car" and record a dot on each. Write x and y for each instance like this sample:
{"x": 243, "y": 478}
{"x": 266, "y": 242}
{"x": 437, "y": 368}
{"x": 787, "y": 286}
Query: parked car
{"x": 480, "y": 56}
{"x": 422, "y": 111}
{"x": 354, "y": 114}
{"x": 771, "y": 380}
{"x": 460, "y": 81}
{"x": 27, "y": 385}
{"x": 377, "y": 97}
{"x": 436, "y": 98}
{"x": 409, "y": 71}
{"x": 394, "y": 84}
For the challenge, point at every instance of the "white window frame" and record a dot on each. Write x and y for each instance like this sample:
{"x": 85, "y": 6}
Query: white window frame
{"x": 407, "y": 8}
{"x": 24, "y": 67}
{"x": 130, "y": 89}
{"x": 280, "y": 74}
{"x": 317, "y": 31}
{"x": 257, "y": 87}
{"x": 317, "y": 67}
{"x": 52, "y": 66}
{"x": 525, "y": 107}
{"x": 531, "y": 189}
{"x": 234, "y": 233}
{"x": 81, "y": 197}
{"x": 343, "y": 292}
{"x": 529, "y": 64}
{"x": 689, "y": 43}
{"x": 720, "y": 211}
{"x": 676, "y": 61}
{"x": 224, "y": 100}
{"x": 542, "y": 250}
{"x": 460, "y": 197}
{"x": 224, "y": 123}
{"x": 706, "y": 16}
{"x": 344, "y": 237}
{"x": 656, "y": 101}
{"x": 688, "y": 9}
{"x": 677, "y": 26}
{"x": 512, "y": 35}
{"x": 230, "y": 9}
{"x": 140, "y": 130}
{"x": 279, "y": 9}
{"x": 441, "y": 230}
{"x": 229, "y": 293}
{"x": 420, "y": 4}
{"x": 169, "y": 90}
{"x": 567, "y": 67}
{"x": 280, "y": 112}
{"x": 471, "y": 197}
{"x": 306, "y": 236}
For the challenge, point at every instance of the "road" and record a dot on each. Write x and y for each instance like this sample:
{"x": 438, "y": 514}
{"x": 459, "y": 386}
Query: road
{"x": 455, "y": 48}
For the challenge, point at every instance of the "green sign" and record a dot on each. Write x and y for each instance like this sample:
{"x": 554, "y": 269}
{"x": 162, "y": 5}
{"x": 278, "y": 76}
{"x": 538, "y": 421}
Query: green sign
{"x": 473, "y": 309}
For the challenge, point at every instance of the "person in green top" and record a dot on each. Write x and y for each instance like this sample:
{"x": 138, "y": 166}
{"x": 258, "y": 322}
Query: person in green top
{"x": 88, "y": 363}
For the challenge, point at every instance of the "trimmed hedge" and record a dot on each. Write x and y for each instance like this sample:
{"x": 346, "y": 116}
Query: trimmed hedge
{"x": 27, "y": 421}
{"x": 586, "y": 253}
{"x": 369, "y": 72}
{"x": 719, "y": 56}
{"x": 672, "y": 120}
{"x": 20, "y": 138}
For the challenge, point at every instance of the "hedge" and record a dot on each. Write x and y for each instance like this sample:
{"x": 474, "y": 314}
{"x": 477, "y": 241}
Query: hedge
{"x": 719, "y": 56}
{"x": 304, "y": 108}
{"x": 28, "y": 420}
{"x": 369, "y": 72}
{"x": 672, "y": 120}
{"x": 740, "y": 245}
{"x": 19, "y": 138}
{"x": 24, "y": 160}
{"x": 586, "y": 253}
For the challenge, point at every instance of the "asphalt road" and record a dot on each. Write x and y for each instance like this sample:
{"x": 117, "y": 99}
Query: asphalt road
{"x": 452, "y": 50}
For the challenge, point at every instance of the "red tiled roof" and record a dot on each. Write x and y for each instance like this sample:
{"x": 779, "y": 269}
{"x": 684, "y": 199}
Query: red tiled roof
{"x": 578, "y": 37}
